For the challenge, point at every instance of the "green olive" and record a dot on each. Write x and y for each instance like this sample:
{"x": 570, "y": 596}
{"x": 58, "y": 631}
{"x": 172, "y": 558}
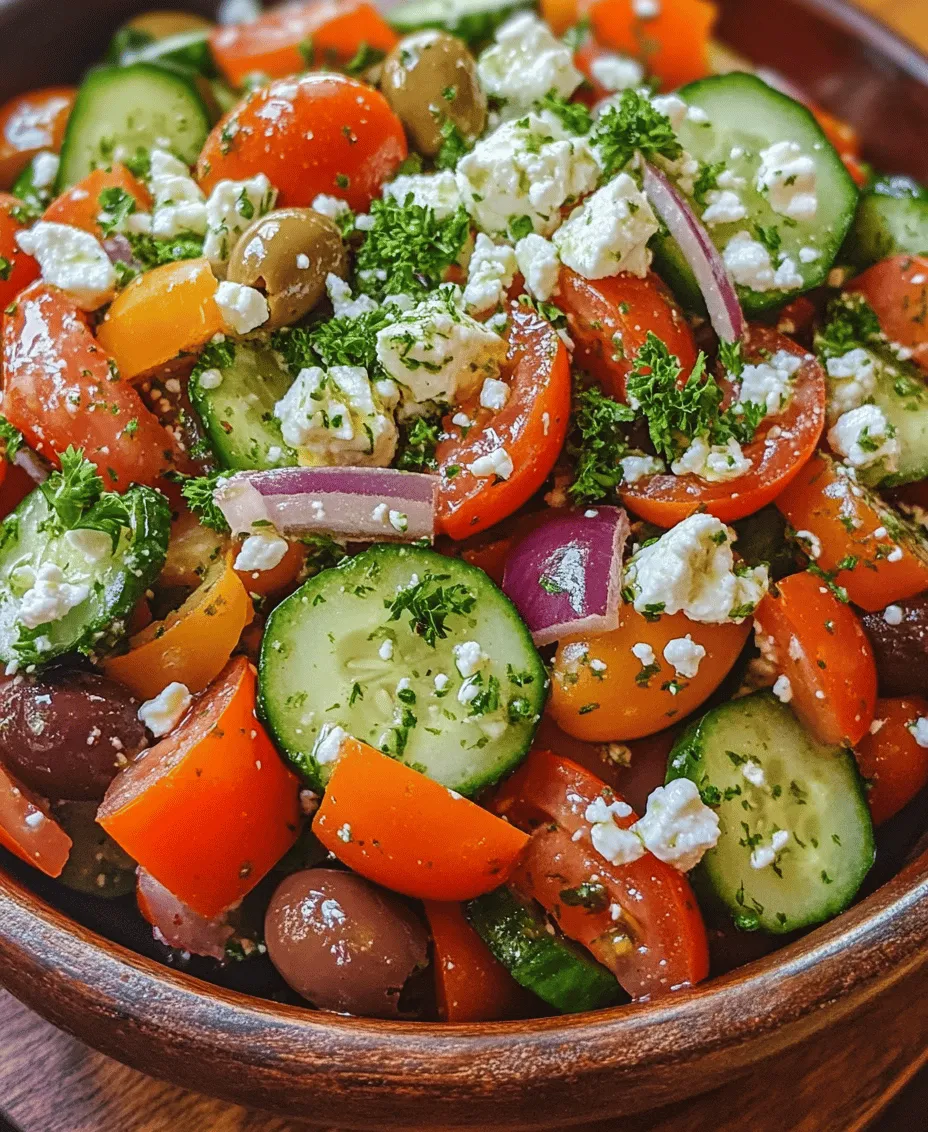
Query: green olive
{"x": 161, "y": 24}
{"x": 288, "y": 253}
{"x": 430, "y": 78}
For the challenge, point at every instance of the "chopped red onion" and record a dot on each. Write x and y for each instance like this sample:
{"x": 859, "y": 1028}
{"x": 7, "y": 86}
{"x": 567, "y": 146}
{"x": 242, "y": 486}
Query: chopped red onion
{"x": 176, "y": 925}
{"x": 359, "y": 504}
{"x": 699, "y": 252}
{"x": 32, "y": 464}
{"x": 565, "y": 577}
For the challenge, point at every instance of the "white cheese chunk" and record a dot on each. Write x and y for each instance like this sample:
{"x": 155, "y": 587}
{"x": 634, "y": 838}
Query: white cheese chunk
{"x": 748, "y": 262}
{"x": 724, "y": 207}
{"x": 609, "y": 232}
{"x": 865, "y": 437}
{"x": 635, "y": 468}
{"x": 714, "y": 463}
{"x": 788, "y": 177}
{"x": 616, "y": 72}
{"x": 684, "y": 655}
{"x": 769, "y": 383}
{"x": 179, "y": 204}
{"x": 919, "y": 730}
{"x": 490, "y": 273}
{"x": 45, "y": 169}
{"x": 437, "y": 191}
{"x": 763, "y": 856}
{"x": 332, "y": 207}
{"x": 73, "y": 260}
{"x": 242, "y": 308}
{"x": 261, "y": 551}
{"x": 50, "y": 597}
{"x": 852, "y": 381}
{"x": 494, "y": 394}
{"x": 231, "y": 207}
{"x": 163, "y": 713}
{"x": 524, "y": 62}
{"x": 538, "y": 261}
{"x": 328, "y": 743}
{"x": 783, "y": 689}
{"x": 469, "y": 658}
{"x": 495, "y": 463}
{"x": 678, "y": 827}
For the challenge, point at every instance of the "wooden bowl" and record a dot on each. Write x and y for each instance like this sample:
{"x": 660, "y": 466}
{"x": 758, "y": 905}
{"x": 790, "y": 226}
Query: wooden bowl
{"x": 544, "y": 1073}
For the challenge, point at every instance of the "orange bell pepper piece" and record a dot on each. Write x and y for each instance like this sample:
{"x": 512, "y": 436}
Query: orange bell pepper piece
{"x": 192, "y": 644}
{"x": 409, "y": 833}
{"x": 28, "y": 830}
{"x": 80, "y": 206}
{"x": 672, "y": 44}
{"x": 210, "y": 809}
{"x": 471, "y": 984}
{"x": 163, "y": 313}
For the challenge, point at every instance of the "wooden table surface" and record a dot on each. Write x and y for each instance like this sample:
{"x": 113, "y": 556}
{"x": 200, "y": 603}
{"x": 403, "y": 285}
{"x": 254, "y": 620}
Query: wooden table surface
{"x": 874, "y": 1072}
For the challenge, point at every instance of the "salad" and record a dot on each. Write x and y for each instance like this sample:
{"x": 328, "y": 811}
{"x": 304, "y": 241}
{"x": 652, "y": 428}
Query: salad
{"x": 465, "y": 498}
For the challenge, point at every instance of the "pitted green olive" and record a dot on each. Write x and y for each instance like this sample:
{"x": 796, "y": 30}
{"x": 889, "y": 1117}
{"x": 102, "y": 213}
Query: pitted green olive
{"x": 430, "y": 78}
{"x": 287, "y": 254}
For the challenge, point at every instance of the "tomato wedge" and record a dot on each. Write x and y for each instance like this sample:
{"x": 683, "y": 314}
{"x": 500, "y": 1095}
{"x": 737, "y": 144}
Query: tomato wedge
{"x": 409, "y": 833}
{"x": 30, "y": 123}
{"x": 294, "y": 37}
{"x": 655, "y": 942}
{"x": 609, "y": 320}
{"x": 897, "y": 289}
{"x": 668, "y": 499}
{"x": 210, "y": 809}
{"x": 20, "y": 269}
{"x": 820, "y": 645}
{"x": 28, "y": 830}
{"x": 894, "y": 765}
{"x": 317, "y": 133}
{"x": 881, "y": 558}
{"x": 61, "y": 388}
{"x": 80, "y": 206}
{"x": 531, "y": 428}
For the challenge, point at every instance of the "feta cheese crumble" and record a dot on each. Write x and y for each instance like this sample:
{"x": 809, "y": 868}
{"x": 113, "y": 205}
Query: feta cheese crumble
{"x": 616, "y": 72}
{"x": 609, "y": 232}
{"x": 50, "y": 597}
{"x": 231, "y": 207}
{"x": 748, "y": 262}
{"x": 919, "y": 730}
{"x": 788, "y": 177}
{"x": 537, "y": 260}
{"x": 524, "y": 62}
{"x": 179, "y": 203}
{"x": 615, "y": 844}
{"x": 678, "y": 827}
{"x": 635, "y": 468}
{"x": 71, "y": 259}
{"x": 495, "y": 463}
{"x": 491, "y": 271}
{"x": 644, "y": 654}
{"x": 494, "y": 394}
{"x": 783, "y": 689}
{"x": 332, "y": 207}
{"x": 852, "y": 381}
{"x": 763, "y": 856}
{"x": 328, "y": 743}
{"x": 865, "y": 437}
{"x": 892, "y": 615}
{"x": 163, "y": 713}
{"x": 45, "y": 169}
{"x": 261, "y": 551}
{"x": 769, "y": 383}
{"x": 684, "y": 655}
{"x": 437, "y": 191}
{"x": 724, "y": 207}
{"x": 469, "y": 658}
{"x": 242, "y": 308}
{"x": 714, "y": 463}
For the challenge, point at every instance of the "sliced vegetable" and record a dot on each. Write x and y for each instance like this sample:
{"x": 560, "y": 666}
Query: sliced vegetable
{"x": 538, "y": 958}
{"x": 672, "y": 37}
{"x": 417, "y": 654}
{"x": 128, "y": 109}
{"x": 184, "y": 50}
{"x": 818, "y": 643}
{"x": 372, "y": 802}
{"x": 897, "y": 290}
{"x": 17, "y": 270}
{"x": 176, "y": 925}
{"x": 210, "y": 809}
{"x": 530, "y": 429}
{"x": 474, "y": 21}
{"x": 161, "y": 314}
{"x": 29, "y": 124}
{"x": 865, "y": 547}
{"x": 893, "y": 763}
{"x": 892, "y": 219}
{"x": 192, "y": 644}
{"x": 28, "y": 829}
{"x": 796, "y": 838}
{"x": 363, "y": 504}
{"x": 565, "y": 577}
{"x": 82, "y": 205}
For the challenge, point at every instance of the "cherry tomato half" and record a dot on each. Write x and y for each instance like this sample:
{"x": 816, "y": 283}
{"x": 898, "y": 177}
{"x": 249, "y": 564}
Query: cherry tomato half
{"x": 897, "y": 289}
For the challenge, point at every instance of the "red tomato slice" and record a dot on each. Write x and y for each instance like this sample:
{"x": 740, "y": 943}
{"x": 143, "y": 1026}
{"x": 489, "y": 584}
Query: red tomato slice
{"x": 667, "y": 499}
{"x": 657, "y": 943}
{"x": 897, "y": 289}
{"x": 294, "y": 37}
{"x": 28, "y": 829}
{"x": 59, "y": 389}
{"x": 820, "y": 645}
{"x": 894, "y": 765}
{"x": 313, "y": 134}
{"x": 17, "y": 270}
{"x": 80, "y": 206}
{"x": 30, "y": 123}
{"x": 531, "y": 428}
{"x": 609, "y": 320}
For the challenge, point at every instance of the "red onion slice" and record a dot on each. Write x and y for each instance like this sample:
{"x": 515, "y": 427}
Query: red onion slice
{"x": 360, "y": 504}
{"x": 699, "y": 252}
{"x": 176, "y": 925}
{"x": 565, "y": 577}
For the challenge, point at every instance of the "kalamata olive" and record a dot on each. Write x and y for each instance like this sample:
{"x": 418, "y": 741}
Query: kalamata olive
{"x": 288, "y": 253}
{"x": 344, "y": 944}
{"x": 65, "y": 734}
{"x": 900, "y": 650}
{"x": 430, "y": 78}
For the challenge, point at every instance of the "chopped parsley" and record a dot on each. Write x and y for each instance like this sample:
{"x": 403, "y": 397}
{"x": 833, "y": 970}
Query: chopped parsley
{"x": 430, "y": 604}
{"x": 77, "y": 498}
{"x": 418, "y": 440}
{"x": 634, "y": 126}
{"x": 11, "y": 439}
{"x": 198, "y": 491}
{"x": 574, "y": 116}
{"x": 851, "y": 324}
{"x": 151, "y": 251}
{"x": 348, "y": 341}
{"x": 596, "y": 444}
{"x": 453, "y": 147}
{"x": 116, "y": 205}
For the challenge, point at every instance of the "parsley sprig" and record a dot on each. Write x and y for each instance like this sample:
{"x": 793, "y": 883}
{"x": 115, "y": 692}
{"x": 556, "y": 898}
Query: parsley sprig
{"x": 430, "y": 604}
{"x": 199, "y": 493}
{"x": 11, "y": 439}
{"x": 634, "y": 126}
{"x": 596, "y": 444}
{"x": 418, "y": 440}
{"x": 77, "y": 499}
{"x": 574, "y": 116}
{"x": 851, "y": 324}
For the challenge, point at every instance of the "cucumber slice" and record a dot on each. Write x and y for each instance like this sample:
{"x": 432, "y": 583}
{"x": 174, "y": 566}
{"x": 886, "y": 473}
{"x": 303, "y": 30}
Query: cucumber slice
{"x": 238, "y": 414}
{"x": 189, "y": 50}
{"x": 474, "y": 21}
{"x": 811, "y": 792}
{"x": 321, "y": 666}
{"x": 116, "y": 579}
{"x": 131, "y": 108}
{"x": 892, "y": 218}
{"x": 551, "y": 966}
{"x": 903, "y": 396}
{"x": 745, "y": 116}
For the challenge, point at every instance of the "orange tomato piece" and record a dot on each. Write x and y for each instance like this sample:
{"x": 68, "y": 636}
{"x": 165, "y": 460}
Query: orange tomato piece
{"x": 668, "y": 499}
{"x": 609, "y": 320}
{"x": 894, "y": 765}
{"x": 881, "y": 558}
{"x": 531, "y": 428}
{"x": 28, "y": 829}
{"x": 192, "y": 644}
{"x": 625, "y": 699}
{"x": 559, "y": 14}
{"x": 471, "y": 985}
{"x": 80, "y": 206}
{"x": 819, "y": 644}
{"x": 60, "y": 388}
{"x": 30, "y": 123}
{"x": 295, "y": 37}
{"x": 17, "y": 270}
{"x": 318, "y": 133}
{"x": 672, "y": 44}
{"x": 409, "y": 833}
{"x": 210, "y": 809}
{"x": 280, "y": 578}
{"x": 897, "y": 289}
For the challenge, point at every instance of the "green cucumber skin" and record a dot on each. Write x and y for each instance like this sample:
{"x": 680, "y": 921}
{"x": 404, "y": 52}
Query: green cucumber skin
{"x": 302, "y": 620}
{"x": 892, "y": 219}
{"x": 834, "y": 795}
{"x": 88, "y": 127}
{"x": 240, "y": 429}
{"x": 91, "y": 626}
{"x": 474, "y": 22}
{"x": 552, "y": 967}
{"x": 188, "y": 50}
{"x": 903, "y": 397}
{"x": 744, "y": 91}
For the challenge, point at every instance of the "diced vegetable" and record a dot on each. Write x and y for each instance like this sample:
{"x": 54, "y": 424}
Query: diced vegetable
{"x": 672, "y": 37}
{"x": 28, "y": 829}
{"x": 892, "y": 219}
{"x": 81, "y": 205}
{"x": 17, "y": 270}
{"x": 29, "y": 124}
{"x": 894, "y": 764}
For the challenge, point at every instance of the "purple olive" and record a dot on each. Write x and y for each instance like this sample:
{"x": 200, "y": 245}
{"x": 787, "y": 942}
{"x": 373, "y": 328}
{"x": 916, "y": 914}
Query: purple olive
{"x": 900, "y": 649}
{"x": 343, "y": 943}
{"x": 65, "y": 734}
